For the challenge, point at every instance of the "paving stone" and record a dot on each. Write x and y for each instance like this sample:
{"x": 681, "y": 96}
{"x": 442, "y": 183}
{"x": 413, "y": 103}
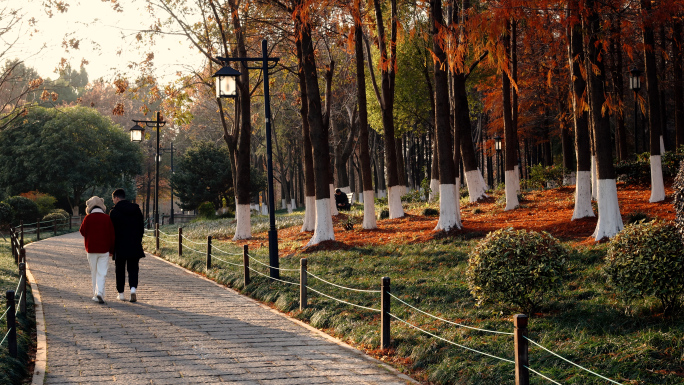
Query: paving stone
{"x": 170, "y": 336}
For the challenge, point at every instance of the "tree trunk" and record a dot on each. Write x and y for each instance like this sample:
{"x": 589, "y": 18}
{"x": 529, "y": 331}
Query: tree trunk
{"x": 578, "y": 86}
{"x": 388, "y": 62}
{"x": 651, "y": 71}
{"x": 510, "y": 135}
{"x": 609, "y": 221}
{"x": 449, "y": 213}
{"x": 309, "y": 180}
{"x": 319, "y": 140}
{"x": 678, "y": 68}
{"x": 369, "y": 220}
{"x": 514, "y": 102}
{"x": 618, "y": 89}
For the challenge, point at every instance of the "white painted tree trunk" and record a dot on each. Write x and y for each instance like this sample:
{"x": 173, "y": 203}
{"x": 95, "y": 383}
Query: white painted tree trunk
{"x": 75, "y": 211}
{"x": 517, "y": 179}
{"x": 434, "y": 187}
{"x": 264, "y": 209}
{"x": 345, "y": 190}
{"x": 282, "y": 203}
{"x": 609, "y": 218}
{"x": 324, "y": 226}
{"x": 394, "y": 202}
{"x": 657, "y": 185}
{"x": 361, "y": 197}
{"x": 309, "y": 214}
{"x": 662, "y": 145}
{"x": 449, "y": 215}
{"x": 570, "y": 179}
{"x": 369, "y": 221}
{"x": 594, "y": 178}
{"x": 289, "y": 208}
{"x": 511, "y": 193}
{"x": 243, "y": 227}
{"x": 382, "y": 193}
{"x": 476, "y": 185}
{"x": 332, "y": 205}
{"x": 294, "y": 204}
{"x": 583, "y": 207}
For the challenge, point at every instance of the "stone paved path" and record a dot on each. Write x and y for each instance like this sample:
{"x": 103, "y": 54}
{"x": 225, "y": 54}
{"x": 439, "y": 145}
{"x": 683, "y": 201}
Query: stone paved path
{"x": 183, "y": 330}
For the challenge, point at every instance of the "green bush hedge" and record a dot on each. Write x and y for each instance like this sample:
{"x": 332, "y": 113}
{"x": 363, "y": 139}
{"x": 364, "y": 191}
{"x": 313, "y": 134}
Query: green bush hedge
{"x": 59, "y": 214}
{"x": 646, "y": 259}
{"x": 206, "y": 210}
{"x": 6, "y": 215}
{"x": 639, "y": 171}
{"x": 516, "y": 267}
{"x": 23, "y": 208}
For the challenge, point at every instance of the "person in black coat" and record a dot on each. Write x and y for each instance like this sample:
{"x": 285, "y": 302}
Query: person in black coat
{"x": 341, "y": 200}
{"x": 129, "y": 227}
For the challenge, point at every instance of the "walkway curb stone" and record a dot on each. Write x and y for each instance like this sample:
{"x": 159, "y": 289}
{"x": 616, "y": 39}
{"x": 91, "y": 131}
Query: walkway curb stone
{"x": 173, "y": 336}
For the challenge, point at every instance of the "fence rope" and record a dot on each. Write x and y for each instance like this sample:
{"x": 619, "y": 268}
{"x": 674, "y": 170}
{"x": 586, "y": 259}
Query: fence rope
{"x": 345, "y": 302}
{"x": 5, "y": 313}
{"x": 224, "y": 252}
{"x": 570, "y": 362}
{"x": 275, "y": 279}
{"x": 30, "y": 224}
{"x": 230, "y": 263}
{"x": 269, "y": 266}
{"x": 147, "y": 236}
{"x": 5, "y": 337}
{"x": 19, "y": 300}
{"x": 341, "y": 287}
{"x": 541, "y": 375}
{"x": 197, "y": 251}
{"x": 191, "y": 241}
{"x": 166, "y": 241}
{"x": 18, "y": 285}
{"x": 165, "y": 234}
{"x": 30, "y": 230}
{"x": 451, "y": 342}
{"x": 447, "y": 321}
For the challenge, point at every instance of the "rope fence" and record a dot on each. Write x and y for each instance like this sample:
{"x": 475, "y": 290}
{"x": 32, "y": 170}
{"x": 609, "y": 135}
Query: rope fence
{"x": 520, "y": 339}
{"x": 16, "y": 299}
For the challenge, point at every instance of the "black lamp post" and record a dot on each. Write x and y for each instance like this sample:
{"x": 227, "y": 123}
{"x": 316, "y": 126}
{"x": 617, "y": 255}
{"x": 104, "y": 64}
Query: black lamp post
{"x": 497, "y": 146}
{"x": 169, "y": 151}
{"x": 136, "y": 136}
{"x": 226, "y": 88}
{"x": 635, "y": 85}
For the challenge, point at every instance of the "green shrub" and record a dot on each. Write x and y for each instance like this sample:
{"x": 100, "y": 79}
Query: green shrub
{"x": 638, "y": 171}
{"x": 413, "y": 196}
{"x": 206, "y": 210}
{"x": 678, "y": 187}
{"x": 540, "y": 176}
{"x": 384, "y": 213}
{"x": 58, "y": 214}
{"x": 645, "y": 259}
{"x": 430, "y": 212}
{"x": 6, "y": 215}
{"x": 516, "y": 267}
{"x": 23, "y": 208}
{"x": 637, "y": 216}
{"x": 45, "y": 202}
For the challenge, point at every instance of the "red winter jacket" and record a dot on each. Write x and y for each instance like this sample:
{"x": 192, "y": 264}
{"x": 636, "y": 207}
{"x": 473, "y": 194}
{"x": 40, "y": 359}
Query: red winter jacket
{"x": 98, "y": 233}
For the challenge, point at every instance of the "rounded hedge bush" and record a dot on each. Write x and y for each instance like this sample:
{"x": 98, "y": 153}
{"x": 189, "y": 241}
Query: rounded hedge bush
{"x": 516, "y": 267}
{"x": 206, "y": 210}
{"x": 646, "y": 259}
{"x": 24, "y": 209}
{"x": 678, "y": 187}
{"x": 6, "y": 215}
{"x": 59, "y": 214}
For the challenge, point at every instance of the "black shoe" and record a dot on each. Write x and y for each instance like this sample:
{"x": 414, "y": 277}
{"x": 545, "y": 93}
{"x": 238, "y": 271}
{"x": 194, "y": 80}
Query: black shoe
{"x": 99, "y": 299}
{"x": 133, "y": 297}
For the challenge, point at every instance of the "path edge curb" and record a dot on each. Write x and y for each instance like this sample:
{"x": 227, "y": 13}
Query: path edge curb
{"x": 324, "y": 335}
{"x": 40, "y": 362}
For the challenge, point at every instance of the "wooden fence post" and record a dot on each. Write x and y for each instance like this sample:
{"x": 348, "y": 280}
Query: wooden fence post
{"x": 54, "y": 227}
{"x": 245, "y": 262}
{"x": 22, "y": 287}
{"x": 302, "y": 284}
{"x": 522, "y": 373}
{"x": 156, "y": 235}
{"x": 37, "y": 229}
{"x": 22, "y": 255}
{"x": 208, "y": 252}
{"x": 180, "y": 241}
{"x": 13, "y": 244}
{"x": 384, "y": 315}
{"x": 21, "y": 227}
{"x": 11, "y": 324}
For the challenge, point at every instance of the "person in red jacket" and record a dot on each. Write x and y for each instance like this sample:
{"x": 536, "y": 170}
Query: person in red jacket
{"x": 98, "y": 236}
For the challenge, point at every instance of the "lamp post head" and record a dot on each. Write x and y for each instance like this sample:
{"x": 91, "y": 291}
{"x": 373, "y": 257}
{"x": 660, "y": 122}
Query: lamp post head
{"x": 226, "y": 82}
{"x": 137, "y": 133}
{"x": 635, "y": 79}
{"x": 497, "y": 143}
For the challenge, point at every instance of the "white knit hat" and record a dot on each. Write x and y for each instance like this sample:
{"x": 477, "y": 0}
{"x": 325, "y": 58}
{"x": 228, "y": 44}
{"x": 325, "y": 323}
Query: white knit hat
{"x": 93, "y": 203}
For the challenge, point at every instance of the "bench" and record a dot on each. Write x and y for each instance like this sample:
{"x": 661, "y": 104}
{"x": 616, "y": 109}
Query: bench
{"x": 350, "y": 196}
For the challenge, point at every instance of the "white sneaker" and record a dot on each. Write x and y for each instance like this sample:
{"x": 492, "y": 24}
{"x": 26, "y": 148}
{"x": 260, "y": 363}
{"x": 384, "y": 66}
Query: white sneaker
{"x": 95, "y": 299}
{"x": 121, "y": 297}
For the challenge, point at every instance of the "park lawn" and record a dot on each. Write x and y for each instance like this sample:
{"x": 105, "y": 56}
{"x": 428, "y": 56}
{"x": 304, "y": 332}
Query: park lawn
{"x": 584, "y": 322}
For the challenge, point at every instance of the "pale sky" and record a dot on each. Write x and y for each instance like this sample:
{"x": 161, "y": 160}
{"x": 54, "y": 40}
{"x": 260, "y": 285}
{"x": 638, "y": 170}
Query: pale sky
{"x": 107, "y": 40}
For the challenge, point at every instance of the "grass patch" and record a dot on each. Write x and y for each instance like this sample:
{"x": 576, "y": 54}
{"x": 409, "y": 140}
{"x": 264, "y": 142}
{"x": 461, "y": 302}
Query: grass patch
{"x": 584, "y": 323}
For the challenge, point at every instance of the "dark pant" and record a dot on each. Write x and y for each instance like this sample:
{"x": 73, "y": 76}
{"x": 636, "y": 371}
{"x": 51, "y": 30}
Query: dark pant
{"x": 123, "y": 264}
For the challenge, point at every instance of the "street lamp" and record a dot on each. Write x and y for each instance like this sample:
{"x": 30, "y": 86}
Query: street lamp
{"x": 497, "y": 146}
{"x": 226, "y": 88}
{"x": 136, "y": 136}
{"x": 635, "y": 85}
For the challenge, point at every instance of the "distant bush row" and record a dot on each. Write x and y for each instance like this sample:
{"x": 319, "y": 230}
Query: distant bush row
{"x": 29, "y": 207}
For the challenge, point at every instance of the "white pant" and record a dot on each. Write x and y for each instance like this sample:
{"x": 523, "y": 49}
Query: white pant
{"x": 99, "y": 263}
